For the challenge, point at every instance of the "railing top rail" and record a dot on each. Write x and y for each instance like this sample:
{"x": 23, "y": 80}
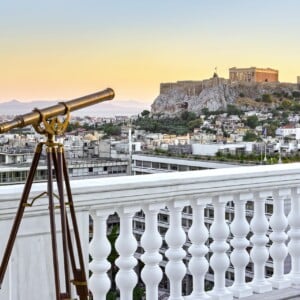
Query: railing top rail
{"x": 153, "y": 188}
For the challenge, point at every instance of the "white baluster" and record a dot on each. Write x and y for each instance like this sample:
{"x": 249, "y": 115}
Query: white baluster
{"x": 239, "y": 256}
{"x": 294, "y": 234}
{"x": 126, "y": 245}
{"x": 278, "y": 250}
{"x": 99, "y": 282}
{"x": 219, "y": 260}
{"x": 151, "y": 242}
{"x": 175, "y": 238}
{"x": 198, "y": 264}
{"x": 259, "y": 253}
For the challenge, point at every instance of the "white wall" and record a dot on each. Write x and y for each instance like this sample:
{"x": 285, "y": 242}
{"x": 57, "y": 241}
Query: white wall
{"x": 205, "y": 149}
{"x": 30, "y": 271}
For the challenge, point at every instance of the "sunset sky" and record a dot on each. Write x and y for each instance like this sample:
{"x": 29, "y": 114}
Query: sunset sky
{"x": 63, "y": 49}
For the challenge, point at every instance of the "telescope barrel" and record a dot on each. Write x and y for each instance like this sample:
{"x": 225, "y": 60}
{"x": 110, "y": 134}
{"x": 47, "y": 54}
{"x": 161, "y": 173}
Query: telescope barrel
{"x": 35, "y": 117}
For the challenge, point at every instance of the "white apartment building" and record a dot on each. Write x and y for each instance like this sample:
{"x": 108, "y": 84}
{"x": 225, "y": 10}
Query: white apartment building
{"x": 150, "y": 164}
{"x": 289, "y": 130}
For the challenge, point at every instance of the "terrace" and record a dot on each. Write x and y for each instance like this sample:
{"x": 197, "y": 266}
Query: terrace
{"x": 263, "y": 239}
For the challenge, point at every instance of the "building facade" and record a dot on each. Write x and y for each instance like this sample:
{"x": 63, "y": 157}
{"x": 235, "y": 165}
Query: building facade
{"x": 253, "y": 74}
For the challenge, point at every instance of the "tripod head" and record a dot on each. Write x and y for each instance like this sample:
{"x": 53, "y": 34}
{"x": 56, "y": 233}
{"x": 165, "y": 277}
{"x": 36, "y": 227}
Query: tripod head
{"x": 46, "y": 115}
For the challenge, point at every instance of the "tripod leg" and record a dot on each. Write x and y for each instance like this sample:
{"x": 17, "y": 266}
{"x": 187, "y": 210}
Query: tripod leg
{"x": 57, "y": 159}
{"x": 79, "y": 274}
{"x": 52, "y": 224}
{"x": 20, "y": 212}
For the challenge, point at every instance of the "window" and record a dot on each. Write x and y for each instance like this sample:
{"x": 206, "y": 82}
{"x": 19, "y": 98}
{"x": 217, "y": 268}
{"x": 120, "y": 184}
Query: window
{"x": 269, "y": 209}
{"x": 163, "y": 218}
{"x": 249, "y": 205}
{"x": 174, "y": 167}
{"x": 182, "y": 168}
{"x": 155, "y": 165}
{"x": 163, "y": 166}
{"x": 138, "y": 163}
{"x": 147, "y": 164}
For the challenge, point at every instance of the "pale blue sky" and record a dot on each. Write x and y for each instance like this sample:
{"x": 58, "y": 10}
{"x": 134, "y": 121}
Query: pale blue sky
{"x": 61, "y": 49}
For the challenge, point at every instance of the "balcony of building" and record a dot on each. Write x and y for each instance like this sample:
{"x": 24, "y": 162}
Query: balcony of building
{"x": 208, "y": 234}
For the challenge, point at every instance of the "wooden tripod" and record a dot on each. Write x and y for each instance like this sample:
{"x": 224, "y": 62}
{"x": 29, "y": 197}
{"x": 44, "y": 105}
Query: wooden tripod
{"x": 56, "y": 163}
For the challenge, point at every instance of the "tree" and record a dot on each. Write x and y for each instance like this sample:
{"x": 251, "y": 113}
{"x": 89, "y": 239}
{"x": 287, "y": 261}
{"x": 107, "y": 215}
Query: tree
{"x": 272, "y": 126}
{"x": 145, "y": 113}
{"x": 286, "y": 104}
{"x": 252, "y": 121}
{"x": 111, "y": 129}
{"x": 233, "y": 110}
{"x": 195, "y": 123}
{"x": 296, "y": 107}
{"x": 250, "y": 136}
{"x": 205, "y": 111}
{"x": 72, "y": 126}
{"x": 296, "y": 94}
{"x": 266, "y": 98}
{"x": 188, "y": 116}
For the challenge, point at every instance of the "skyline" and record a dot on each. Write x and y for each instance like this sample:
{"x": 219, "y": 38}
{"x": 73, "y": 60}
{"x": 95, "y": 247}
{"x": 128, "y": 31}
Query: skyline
{"x": 57, "y": 51}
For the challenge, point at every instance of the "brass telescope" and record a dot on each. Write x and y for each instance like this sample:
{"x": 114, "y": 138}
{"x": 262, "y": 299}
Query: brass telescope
{"x": 35, "y": 117}
{"x": 46, "y": 121}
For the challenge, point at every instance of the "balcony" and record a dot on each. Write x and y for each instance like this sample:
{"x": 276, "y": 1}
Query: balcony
{"x": 231, "y": 233}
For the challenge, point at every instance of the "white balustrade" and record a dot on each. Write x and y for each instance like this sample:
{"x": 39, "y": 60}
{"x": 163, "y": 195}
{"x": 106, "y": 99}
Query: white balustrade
{"x": 278, "y": 249}
{"x": 198, "y": 264}
{"x": 294, "y": 234}
{"x": 239, "y": 256}
{"x": 100, "y": 248}
{"x": 175, "y": 238}
{"x": 151, "y": 242}
{"x": 127, "y": 194}
{"x": 219, "y": 261}
{"x": 259, "y": 253}
{"x": 126, "y": 245}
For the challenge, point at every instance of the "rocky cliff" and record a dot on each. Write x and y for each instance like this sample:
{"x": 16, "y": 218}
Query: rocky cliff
{"x": 214, "y": 94}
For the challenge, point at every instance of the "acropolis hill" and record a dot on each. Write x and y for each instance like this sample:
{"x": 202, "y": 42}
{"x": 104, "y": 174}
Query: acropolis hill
{"x": 244, "y": 88}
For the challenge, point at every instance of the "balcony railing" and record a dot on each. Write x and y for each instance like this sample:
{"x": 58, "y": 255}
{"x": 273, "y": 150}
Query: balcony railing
{"x": 261, "y": 251}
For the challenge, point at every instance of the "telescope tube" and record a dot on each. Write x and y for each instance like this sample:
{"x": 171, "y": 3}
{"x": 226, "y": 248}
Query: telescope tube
{"x": 35, "y": 117}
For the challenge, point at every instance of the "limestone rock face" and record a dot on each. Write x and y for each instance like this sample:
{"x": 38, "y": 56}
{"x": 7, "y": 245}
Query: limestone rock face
{"x": 213, "y": 94}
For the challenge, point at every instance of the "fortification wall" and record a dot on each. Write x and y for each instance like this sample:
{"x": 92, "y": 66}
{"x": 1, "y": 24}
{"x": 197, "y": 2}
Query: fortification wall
{"x": 187, "y": 87}
{"x": 190, "y": 87}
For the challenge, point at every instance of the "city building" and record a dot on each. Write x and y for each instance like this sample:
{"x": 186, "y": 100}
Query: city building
{"x": 253, "y": 74}
{"x": 15, "y": 164}
{"x": 182, "y": 226}
{"x": 289, "y": 130}
{"x": 149, "y": 164}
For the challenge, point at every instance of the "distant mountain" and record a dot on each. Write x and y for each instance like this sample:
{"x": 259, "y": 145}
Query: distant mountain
{"x": 105, "y": 109}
